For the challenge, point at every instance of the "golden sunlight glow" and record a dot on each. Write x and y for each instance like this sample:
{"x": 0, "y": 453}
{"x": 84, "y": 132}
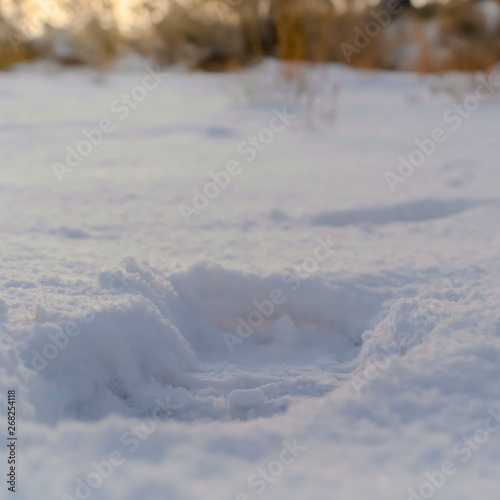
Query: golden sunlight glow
{"x": 56, "y": 12}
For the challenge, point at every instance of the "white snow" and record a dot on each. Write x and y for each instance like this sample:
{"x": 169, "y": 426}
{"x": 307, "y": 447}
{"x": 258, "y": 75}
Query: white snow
{"x": 307, "y": 303}
{"x": 491, "y": 13}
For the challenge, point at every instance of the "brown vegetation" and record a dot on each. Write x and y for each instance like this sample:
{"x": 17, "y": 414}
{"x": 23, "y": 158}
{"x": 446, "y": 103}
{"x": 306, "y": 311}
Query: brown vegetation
{"x": 218, "y": 35}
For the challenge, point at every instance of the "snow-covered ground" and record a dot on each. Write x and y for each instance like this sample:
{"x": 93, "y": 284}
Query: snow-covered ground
{"x": 322, "y": 326}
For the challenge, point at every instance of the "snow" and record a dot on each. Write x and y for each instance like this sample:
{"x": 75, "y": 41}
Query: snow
{"x": 306, "y": 307}
{"x": 491, "y": 14}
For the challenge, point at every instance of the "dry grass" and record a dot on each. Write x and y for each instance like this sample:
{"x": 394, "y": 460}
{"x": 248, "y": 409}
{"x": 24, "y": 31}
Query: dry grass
{"x": 220, "y": 35}
{"x": 14, "y": 47}
{"x": 452, "y": 36}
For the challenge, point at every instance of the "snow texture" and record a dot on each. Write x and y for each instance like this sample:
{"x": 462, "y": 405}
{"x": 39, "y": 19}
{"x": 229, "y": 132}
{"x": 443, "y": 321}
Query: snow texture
{"x": 309, "y": 322}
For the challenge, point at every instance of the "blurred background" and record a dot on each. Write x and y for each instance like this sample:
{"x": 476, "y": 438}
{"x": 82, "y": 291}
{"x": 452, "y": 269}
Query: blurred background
{"x": 222, "y": 35}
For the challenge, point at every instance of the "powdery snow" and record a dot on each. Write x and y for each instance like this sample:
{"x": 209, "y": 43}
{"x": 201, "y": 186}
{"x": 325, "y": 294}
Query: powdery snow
{"x": 310, "y": 333}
